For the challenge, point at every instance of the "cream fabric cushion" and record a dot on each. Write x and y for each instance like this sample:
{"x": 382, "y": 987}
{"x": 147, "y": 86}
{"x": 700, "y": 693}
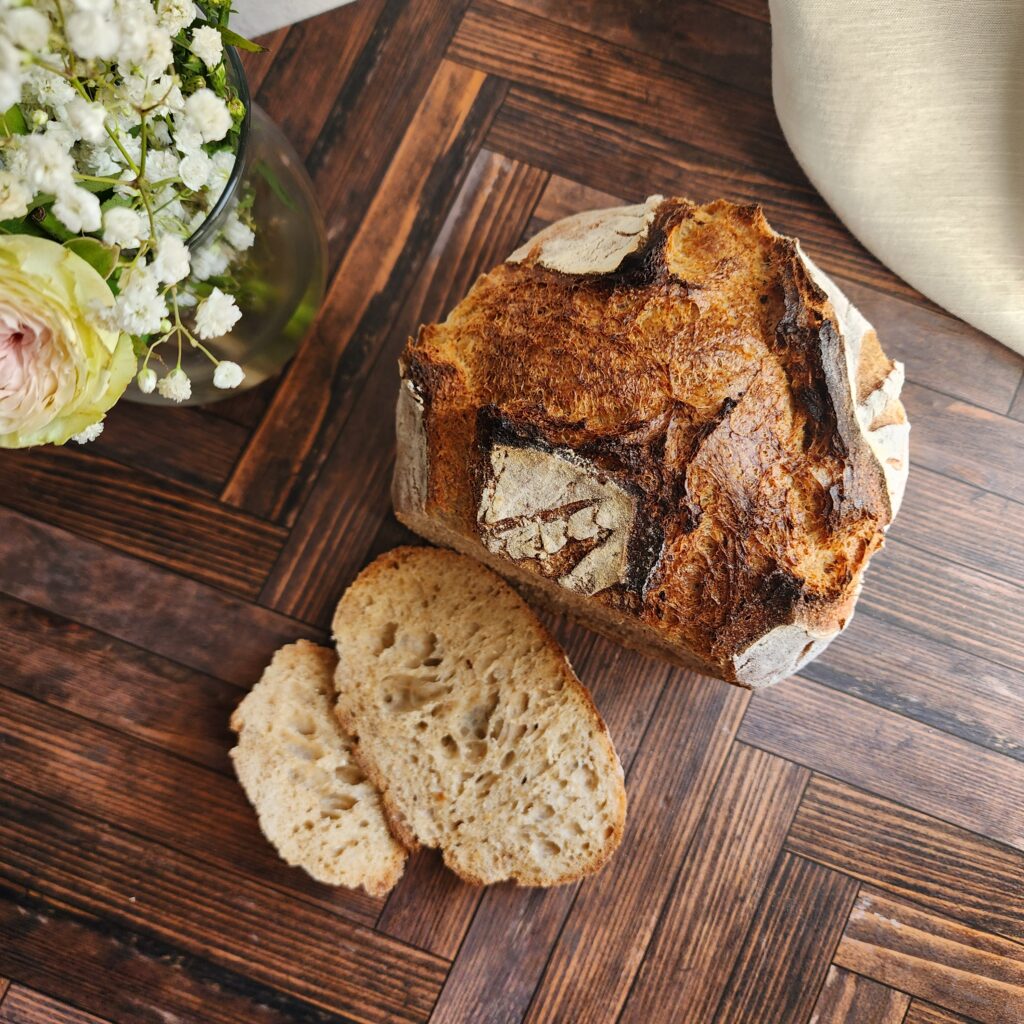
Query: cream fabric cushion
{"x": 908, "y": 117}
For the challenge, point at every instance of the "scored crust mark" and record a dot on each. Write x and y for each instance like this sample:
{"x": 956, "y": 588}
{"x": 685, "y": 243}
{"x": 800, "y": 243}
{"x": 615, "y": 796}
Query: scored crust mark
{"x": 729, "y": 391}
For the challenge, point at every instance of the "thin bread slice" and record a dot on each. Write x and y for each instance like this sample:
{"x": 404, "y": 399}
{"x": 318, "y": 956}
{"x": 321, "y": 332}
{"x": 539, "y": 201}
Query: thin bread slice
{"x": 295, "y": 764}
{"x": 472, "y": 724}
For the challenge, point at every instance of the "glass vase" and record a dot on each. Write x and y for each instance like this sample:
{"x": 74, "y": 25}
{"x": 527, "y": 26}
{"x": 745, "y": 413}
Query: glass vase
{"x": 279, "y": 282}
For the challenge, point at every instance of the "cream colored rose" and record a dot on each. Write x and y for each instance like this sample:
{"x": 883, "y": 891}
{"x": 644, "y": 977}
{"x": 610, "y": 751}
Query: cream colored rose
{"x": 59, "y": 371}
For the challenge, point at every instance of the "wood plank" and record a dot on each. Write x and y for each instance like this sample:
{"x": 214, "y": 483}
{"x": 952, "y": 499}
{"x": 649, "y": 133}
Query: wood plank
{"x": 938, "y": 350}
{"x": 728, "y": 123}
{"x": 931, "y": 682}
{"x": 965, "y": 442}
{"x": 139, "y": 514}
{"x": 934, "y": 958}
{"x": 26, "y": 1006}
{"x": 939, "y": 866}
{"x": 217, "y": 914}
{"x": 107, "y": 681}
{"x": 429, "y": 910}
{"x": 372, "y": 112}
{"x": 848, "y": 998}
{"x": 74, "y": 956}
{"x": 946, "y": 602}
{"x": 258, "y": 65}
{"x": 933, "y": 513}
{"x": 178, "y": 618}
{"x": 924, "y": 1013}
{"x": 191, "y": 446}
{"x": 725, "y": 45}
{"x": 607, "y": 153}
{"x": 891, "y": 756}
{"x": 4, "y": 985}
{"x": 786, "y": 954}
{"x": 691, "y": 728}
{"x": 337, "y": 524}
{"x": 1017, "y": 405}
{"x": 310, "y": 407}
{"x": 313, "y": 62}
{"x": 713, "y": 900}
{"x": 246, "y": 409}
{"x": 85, "y": 767}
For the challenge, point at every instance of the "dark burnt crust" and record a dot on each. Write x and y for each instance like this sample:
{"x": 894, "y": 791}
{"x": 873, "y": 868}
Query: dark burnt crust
{"x": 751, "y": 584}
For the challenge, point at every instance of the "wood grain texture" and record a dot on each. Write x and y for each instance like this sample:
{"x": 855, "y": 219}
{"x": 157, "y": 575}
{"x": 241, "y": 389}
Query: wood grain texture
{"x": 935, "y": 958}
{"x": 78, "y": 765}
{"x": 891, "y": 756}
{"x": 26, "y": 1006}
{"x": 168, "y": 614}
{"x": 74, "y": 956}
{"x": 937, "y": 865}
{"x": 328, "y": 540}
{"x": 786, "y": 955}
{"x": 308, "y": 952}
{"x": 311, "y": 405}
{"x": 716, "y": 893}
{"x": 925, "y": 1013}
{"x": 848, "y": 998}
{"x": 108, "y": 681}
{"x": 728, "y": 123}
{"x": 599, "y": 950}
{"x": 725, "y": 45}
{"x": 134, "y": 512}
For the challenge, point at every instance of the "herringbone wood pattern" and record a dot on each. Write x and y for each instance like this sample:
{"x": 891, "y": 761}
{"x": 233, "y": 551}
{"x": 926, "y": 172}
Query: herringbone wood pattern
{"x": 848, "y": 847}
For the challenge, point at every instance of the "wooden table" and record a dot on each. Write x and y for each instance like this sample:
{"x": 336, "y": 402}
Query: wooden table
{"x": 846, "y": 847}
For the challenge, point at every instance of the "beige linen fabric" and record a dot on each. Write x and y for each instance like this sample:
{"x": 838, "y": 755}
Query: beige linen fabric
{"x": 908, "y": 117}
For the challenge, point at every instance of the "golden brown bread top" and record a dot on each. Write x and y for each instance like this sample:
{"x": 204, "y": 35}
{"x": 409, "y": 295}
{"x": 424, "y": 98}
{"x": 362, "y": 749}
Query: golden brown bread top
{"x": 707, "y": 375}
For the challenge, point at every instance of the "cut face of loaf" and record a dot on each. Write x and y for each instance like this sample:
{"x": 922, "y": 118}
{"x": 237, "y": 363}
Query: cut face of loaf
{"x": 295, "y": 763}
{"x": 468, "y": 717}
{"x": 667, "y": 421}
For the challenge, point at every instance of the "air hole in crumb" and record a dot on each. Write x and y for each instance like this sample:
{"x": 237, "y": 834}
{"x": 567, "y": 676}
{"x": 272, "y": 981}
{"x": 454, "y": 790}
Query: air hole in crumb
{"x": 337, "y": 802}
{"x": 303, "y": 724}
{"x": 807, "y": 649}
{"x": 546, "y": 848}
{"x": 422, "y": 726}
{"x": 546, "y": 811}
{"x": 507, "y": 760}
{"x": 350, "y": 774}
{"x": 524, "y": 703}
{"x": 476, "y": 751}
{"x": 387, "y": 636}
{"x": 449, "y": 746}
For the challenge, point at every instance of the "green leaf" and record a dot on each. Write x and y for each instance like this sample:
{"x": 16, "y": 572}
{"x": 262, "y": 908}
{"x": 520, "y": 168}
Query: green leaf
{"x": 21, "y": 226}
{"x": 13, "y": 122}
{"x": 232, "y": 38}
{"x": 45, "y": 219}
{"x": 100, "y": 256}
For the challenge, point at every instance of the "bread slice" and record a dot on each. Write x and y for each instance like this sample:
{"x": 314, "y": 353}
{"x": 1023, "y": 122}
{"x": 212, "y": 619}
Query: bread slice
{"x": 473, "y": 725}
{"x": 295, "y": 764}
{"x": 666, "y": 420}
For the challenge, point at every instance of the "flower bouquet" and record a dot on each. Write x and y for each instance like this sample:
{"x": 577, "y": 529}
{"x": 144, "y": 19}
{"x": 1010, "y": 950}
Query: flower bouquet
{"x": 121, "y": 129}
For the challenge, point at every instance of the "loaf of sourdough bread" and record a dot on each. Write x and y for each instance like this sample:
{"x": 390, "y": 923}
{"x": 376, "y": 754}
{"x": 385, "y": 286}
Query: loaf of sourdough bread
{"x": 469, "y": 719}
{"x": 666, "y": 420}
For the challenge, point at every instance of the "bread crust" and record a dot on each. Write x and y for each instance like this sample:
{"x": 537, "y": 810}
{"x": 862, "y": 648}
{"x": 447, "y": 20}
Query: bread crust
{"x": 444, "y": 563}
{"x": 667, "y": 421}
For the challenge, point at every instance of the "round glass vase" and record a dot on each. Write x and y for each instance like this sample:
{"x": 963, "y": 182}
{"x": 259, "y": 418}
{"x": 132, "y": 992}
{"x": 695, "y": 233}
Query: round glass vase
{"x": 279, "y": 282}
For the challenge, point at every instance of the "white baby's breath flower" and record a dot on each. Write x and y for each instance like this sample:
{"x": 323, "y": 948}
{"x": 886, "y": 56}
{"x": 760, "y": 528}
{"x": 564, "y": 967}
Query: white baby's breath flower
{"x": 85, "y": 119}
{"x": 159, "y": 133}
{"x": 238, "y": 234}
{"x": 139, "y": 307}
{"x": 207, "y": 45}
{"x": 122, "y": 226}
{"x": 61, "y": 134}
{"x": 216, "y": 315}
{"x": 187, "y": 138}
{"x": 208, "y": 114}
{"x": 155, "y": 54}
{"x": 47, "y": 89}
{"x": 93, "y": 6}
{"x": 171, "y": 263}
{"x": 176, "y": 386}
{"x": 90, "y": 433}
{"x": 77, "y": 209}
{"x": 228, "y": 374}
{"x": 210, "y": 261}
{"x": 98, "y": 158}
{"x": 92, "y": 35}
{"x": 174, "y": 15}
{"x": 194, "y": 170}
{"x": 47, "y": 166}
{"x": 15, "y": 196}
{"x": 28, "y": 28}
{"x": 146, "y": 381}
{"x": 10, "y": 89}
